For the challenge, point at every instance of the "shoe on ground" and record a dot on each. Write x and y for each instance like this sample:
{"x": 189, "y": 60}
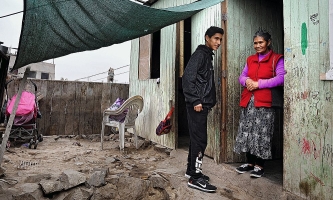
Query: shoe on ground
{"x": 244, "y": 168}
{"x": 257, "y": 172}
{"x": 187, "y": 175}
{"x": 201, "y": 184}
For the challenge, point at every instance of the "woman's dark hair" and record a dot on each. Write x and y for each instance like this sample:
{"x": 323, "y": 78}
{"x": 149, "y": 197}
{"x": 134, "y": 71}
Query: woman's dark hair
{"x": 264, "y": 34}
{"x": 213, "y": 30}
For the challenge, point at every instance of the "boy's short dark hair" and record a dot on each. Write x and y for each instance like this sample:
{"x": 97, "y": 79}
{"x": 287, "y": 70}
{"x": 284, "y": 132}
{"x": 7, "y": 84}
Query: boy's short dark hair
{"x": 213, "y": 30}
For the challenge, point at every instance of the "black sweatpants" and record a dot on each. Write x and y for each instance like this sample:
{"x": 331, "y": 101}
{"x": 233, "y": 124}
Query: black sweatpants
{"x": 255, "y": 160}
{"x": 197, "y": 125}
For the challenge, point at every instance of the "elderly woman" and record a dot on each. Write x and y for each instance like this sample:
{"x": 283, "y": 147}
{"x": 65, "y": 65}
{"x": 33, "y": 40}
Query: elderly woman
{"x": 263, "y": 71}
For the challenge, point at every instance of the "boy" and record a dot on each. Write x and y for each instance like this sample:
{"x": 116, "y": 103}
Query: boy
{"x": 200, "y": 97}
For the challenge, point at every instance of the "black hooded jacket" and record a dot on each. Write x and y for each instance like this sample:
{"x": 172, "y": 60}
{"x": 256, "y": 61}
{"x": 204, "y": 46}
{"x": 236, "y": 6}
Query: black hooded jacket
{"x": 198, "y": 79}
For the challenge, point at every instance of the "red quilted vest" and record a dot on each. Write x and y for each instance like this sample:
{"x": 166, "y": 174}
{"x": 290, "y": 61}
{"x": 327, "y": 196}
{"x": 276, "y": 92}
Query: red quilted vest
{"x": 260, "y": 70}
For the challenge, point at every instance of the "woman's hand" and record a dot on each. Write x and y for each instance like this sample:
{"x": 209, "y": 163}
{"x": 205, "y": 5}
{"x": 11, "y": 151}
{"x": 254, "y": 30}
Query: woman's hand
{"x": 251, "y": 85}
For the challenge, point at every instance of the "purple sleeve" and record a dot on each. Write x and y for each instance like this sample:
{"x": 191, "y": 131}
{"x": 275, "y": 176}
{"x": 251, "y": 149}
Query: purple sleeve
{"x": 243, "y": 76}
{"x": 277, "y": 80}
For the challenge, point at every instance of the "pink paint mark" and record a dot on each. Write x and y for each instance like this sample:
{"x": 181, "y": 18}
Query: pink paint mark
{"x": 317, "y": 179}
{"x": 305, "y": 94}
{"x": 306, "y": 147}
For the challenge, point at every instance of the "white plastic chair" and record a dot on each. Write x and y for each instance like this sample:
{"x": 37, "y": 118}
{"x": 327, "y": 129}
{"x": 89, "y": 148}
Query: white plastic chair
{"x": 134, "y": 106}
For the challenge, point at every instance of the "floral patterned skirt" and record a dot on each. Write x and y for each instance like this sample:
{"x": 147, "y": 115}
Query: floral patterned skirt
{"x": 255, "y": 131}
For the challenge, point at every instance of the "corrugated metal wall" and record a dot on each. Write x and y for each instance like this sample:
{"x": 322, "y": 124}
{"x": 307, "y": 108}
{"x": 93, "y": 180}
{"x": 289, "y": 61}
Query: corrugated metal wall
{"x": 308, "y": 149}
{"x": 200, "y": 23}
{"x": 244, "y": 18}
{"x": 157, "y": 97}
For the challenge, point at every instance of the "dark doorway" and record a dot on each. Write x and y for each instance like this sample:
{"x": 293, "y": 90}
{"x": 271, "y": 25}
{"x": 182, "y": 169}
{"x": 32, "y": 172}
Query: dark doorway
{"x": 183, "y": 134}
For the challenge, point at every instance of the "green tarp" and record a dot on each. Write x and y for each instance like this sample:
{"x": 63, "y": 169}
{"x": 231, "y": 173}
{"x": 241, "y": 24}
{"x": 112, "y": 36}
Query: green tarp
{"x": 55, "y": 28}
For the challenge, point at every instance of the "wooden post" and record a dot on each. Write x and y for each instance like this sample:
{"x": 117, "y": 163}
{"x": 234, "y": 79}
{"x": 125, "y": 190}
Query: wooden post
{"x": 12, "y": 115}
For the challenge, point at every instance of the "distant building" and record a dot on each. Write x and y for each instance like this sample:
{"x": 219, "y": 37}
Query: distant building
{"x": 41, "y": 70}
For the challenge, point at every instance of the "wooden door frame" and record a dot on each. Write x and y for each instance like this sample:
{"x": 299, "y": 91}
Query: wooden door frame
{"x": 223, "y": 142}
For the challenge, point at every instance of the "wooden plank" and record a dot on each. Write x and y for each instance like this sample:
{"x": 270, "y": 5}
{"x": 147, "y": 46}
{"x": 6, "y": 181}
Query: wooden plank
{"x": 97, "y": 112}
{"x": 325, "y": 61}
{"x": 41, "y": 89}
{"x": 233, "y": 73}
{"x": 180, "y": 37}
{"x": 294, "y": 35}
{"x": 69, "y": 104}
{"x": 59, "y": 105}
{"x": 88, "y": 113}
{"x": 224, "y": 132}
{"x": 231, "y": 79}
{"x": 12, "y": 115}
{"x": 145, "y": 54}
{"x": 55, "y": 109}
{"x": 47, "y": 106}
{"x": 287, "y": 57}
{"x": 81, "y": 89}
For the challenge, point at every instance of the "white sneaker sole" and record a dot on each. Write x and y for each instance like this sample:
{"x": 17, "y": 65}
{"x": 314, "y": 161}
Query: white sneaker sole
{"x": 241, "y": 172}
{"x": 255, "y": 175}
{"x": 187, "y": 176}
{"x": 200, "y": 188}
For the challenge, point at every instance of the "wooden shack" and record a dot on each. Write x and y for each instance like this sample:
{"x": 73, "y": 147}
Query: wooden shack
{"x": 300, "y": 30}
{"x": 158, "y": 61}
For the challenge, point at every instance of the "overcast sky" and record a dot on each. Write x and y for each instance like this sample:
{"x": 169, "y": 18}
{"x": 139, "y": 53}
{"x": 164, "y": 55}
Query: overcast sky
{"x": 73, "y": 66}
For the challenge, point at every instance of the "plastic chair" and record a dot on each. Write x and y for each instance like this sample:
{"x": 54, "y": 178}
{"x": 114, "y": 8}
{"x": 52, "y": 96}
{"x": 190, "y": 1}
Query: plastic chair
{"x": 134, "y": 106}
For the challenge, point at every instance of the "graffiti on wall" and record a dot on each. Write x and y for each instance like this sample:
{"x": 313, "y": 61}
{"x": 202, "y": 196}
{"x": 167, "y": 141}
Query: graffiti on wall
{"x": 314, "y": 18}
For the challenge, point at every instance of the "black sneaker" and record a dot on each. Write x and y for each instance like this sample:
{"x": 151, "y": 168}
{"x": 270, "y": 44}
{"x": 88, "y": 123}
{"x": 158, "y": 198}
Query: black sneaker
{"x": 257, "y": 172}
{"x": 244, "y": 168}
{"x": 201, "y": 184}
{"x": 187, "y": 175}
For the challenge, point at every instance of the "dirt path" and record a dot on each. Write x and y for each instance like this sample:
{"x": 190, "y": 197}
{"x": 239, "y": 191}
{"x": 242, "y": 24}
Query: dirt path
{"x": 56, "y": 154}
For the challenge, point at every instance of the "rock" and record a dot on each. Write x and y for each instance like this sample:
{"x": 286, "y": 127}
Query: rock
{"x": 68, "y": 179}
{"x": 97, "y": 179}
{"x": 152, "y": 159}
{"x": 115, "y": 137}
{"x": 158, "y": 182}
{"x": 128, "y": 135}
{"x": 50, "y": 186}
{"x": 108, "y": 191}
{"x": 68, "y": 158}
{"x": 96, "y": 139}
{"x": 113, "y": 179}
{"x": 110, "y": 160}
{"x": 33, "y": 153}
{"x": 175, "y": 181}
{"x": 36, "y": 178}
{"x": 71, "y": 178}
{"x": 79, "y": 163}
{"x": 131, "y": 188}
{"x": 3, "y": 187}
{"x": 140, "y": 143}
{"x": 2, "y": 171}
{"x": 8, "y": 194}
{"x": 127, "y": 166}
{"x": 128, "y": 145}
{"x": 29, "y": 191}
{"x": 159, "y": 148}
{"x": 6, "y": 159}
{"x": 78, "y": 193}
